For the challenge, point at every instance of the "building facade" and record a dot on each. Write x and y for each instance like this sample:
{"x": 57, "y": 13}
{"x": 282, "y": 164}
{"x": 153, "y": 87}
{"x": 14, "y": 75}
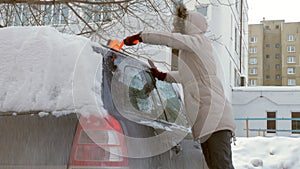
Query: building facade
{"x": 267, "y": 111}
{"x": 273, "y": 55}
{"x": 228, "y": 28}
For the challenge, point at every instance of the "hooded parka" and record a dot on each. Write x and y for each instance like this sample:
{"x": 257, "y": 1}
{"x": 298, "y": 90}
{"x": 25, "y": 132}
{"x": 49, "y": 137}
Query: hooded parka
{"x": 207, "y": 108}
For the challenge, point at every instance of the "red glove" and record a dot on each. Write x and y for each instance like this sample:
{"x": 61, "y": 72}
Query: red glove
{"x": 133, "y": 40}
{"x": 158, "y": 74}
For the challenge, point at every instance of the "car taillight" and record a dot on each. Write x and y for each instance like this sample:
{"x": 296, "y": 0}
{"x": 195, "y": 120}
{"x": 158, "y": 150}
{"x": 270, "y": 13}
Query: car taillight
{"x": 99, "y": 144}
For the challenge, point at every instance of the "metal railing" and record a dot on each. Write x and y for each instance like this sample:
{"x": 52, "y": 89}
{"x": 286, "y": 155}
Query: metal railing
{"x": 264, "y": 130}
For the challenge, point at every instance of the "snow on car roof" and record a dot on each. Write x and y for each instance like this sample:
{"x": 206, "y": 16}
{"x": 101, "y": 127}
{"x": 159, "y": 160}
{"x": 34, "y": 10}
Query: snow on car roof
{"x": 47, "y": 71}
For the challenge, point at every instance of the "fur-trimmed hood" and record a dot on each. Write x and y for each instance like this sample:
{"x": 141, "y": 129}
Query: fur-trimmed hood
{"x": 195, "y": 23}
{"x": 189, "y": 22}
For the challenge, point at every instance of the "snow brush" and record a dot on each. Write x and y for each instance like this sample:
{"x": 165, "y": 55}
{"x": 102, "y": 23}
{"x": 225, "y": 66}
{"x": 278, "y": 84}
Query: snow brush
{"x": 117, "y": 45}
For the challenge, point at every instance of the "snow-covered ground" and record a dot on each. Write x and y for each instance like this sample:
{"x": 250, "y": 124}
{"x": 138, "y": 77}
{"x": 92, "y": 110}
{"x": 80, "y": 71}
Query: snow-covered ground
{"x": 266, "y": 153}
{"x": 45, "y": 70}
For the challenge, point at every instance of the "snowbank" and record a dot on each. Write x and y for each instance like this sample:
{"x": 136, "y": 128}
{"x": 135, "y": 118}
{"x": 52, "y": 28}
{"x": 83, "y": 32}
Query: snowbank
{"x": 47, "y": 71}
{"x": 266, "y": 153}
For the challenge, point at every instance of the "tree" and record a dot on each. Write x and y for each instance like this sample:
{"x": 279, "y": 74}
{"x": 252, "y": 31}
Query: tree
{"x": 99, "y": 20}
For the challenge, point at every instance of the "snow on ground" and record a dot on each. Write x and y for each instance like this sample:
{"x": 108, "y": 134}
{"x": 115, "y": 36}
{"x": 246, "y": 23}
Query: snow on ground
{"x": 47, "y": 71}
{"x": 266, "y": 153}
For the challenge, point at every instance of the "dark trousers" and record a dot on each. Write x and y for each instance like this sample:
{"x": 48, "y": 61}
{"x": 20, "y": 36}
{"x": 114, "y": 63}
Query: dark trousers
{"x": 217, "y": 150}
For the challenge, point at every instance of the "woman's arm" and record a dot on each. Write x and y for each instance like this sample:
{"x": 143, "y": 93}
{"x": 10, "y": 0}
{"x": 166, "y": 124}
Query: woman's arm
{"x": 173, "y": 40}
{"x": 172, "y": 77}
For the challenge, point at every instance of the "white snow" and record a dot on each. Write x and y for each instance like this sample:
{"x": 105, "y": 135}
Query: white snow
{"x": 266, "y": 153}
{"x": 43, "y": 114}
{"x": 47, "y": 71}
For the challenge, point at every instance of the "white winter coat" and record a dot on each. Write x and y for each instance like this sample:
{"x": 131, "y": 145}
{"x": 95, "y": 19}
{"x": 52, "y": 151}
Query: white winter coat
{"x": 207, "y": 107}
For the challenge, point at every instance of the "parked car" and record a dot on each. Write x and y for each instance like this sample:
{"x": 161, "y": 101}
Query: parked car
{"x": 146, "y": 127}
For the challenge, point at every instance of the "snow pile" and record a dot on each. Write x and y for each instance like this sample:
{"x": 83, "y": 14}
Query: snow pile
{"x": 47, "y": 71}
{"x": 266, "y": 153}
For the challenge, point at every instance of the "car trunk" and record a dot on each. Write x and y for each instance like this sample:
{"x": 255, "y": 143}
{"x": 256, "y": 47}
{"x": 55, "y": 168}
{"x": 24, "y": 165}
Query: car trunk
{"x": 31, "y": 141}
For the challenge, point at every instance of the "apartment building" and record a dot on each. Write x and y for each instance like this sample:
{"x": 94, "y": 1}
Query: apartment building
{"x": 273, "y": 55}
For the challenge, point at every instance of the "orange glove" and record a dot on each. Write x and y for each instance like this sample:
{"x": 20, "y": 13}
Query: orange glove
{"x": 133, "y": 40}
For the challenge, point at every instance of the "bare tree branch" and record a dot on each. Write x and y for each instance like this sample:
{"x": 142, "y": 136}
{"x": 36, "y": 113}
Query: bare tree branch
{"x": 45, "y": 2}
{"x": 80, "y": 17}
{"x": 36, "y": 20}
{"x": 95, "y": 19}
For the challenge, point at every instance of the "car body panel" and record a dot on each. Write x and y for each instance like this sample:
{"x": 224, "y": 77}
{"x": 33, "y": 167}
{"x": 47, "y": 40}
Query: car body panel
{"x": 32, "y": 141}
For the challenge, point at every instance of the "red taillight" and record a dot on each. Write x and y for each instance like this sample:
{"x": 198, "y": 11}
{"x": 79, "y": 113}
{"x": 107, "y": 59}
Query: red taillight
{"x": 99, "y": 143}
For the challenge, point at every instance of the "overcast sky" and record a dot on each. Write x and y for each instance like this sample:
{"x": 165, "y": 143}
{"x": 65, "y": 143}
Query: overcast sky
{"x": 287, "y": 10}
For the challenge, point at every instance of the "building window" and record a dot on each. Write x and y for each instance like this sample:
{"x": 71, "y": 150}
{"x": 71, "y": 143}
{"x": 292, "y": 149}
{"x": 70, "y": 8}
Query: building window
{"x": 253, "y": 61}
{"x": 277, "y": 45}
{"x": 103, "y": 16}
{"x": 253, "y": 40}
{"x": 202, "y": 9}
{"x": 277, "y": 26}
{"x": 267, "y": 27}
{"x": 267, "y": 45}
{"x": 48, "y": 14}
{"x": 296, "y": 123}
{"x": 291, "y": 49}
{"x": 291, "y": 82}
{"x": 24, "y": 15}
{"x": 267, "y": 56}
{"x": 278, "y": 77}
{"x": 291, "y": 59}
{"x": 291, "y": 38}
{"x": 52, "y": 14}
{"x": 277, "y": 56}
{"x": 277, "y": 66}
{"x": 267, "y": 77}
{"x": 60, "y": 14}
{"x": 253, "y": 50}
{"x": 271, "y": 122}
{"x": 253, "y": 71}
{"x": 291, "y": 70}
{"x": 253, "y": 82}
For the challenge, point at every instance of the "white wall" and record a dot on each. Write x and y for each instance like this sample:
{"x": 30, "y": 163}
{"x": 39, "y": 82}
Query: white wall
{"x": 223, "y": 18}
{"x": 255, "y": 102}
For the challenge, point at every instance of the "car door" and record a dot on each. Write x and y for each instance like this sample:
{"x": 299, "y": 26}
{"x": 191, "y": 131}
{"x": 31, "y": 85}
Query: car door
{"x": 186, "y": 154}
{"x": 157, "y": 104}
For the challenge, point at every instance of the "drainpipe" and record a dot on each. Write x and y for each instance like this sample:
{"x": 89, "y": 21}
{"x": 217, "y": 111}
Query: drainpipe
{"x": 241, "y": 35}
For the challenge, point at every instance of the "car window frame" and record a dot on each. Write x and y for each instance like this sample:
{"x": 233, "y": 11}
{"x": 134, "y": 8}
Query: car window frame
{"x": 120, "y": 57}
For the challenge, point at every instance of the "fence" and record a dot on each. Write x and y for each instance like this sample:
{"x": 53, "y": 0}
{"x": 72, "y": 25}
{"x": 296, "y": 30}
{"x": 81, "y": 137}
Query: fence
{"x": 264, "y": 130}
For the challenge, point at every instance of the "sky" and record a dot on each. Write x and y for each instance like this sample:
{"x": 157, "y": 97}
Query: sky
{"x": 273, "y": 10}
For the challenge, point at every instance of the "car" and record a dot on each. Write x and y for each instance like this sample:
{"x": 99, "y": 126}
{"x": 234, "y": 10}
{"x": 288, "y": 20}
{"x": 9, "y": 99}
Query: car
{"x": 146, "y": 126}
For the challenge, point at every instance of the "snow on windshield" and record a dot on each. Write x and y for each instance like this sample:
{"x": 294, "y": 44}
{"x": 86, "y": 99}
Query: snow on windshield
{"x": 47, "y": 71}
